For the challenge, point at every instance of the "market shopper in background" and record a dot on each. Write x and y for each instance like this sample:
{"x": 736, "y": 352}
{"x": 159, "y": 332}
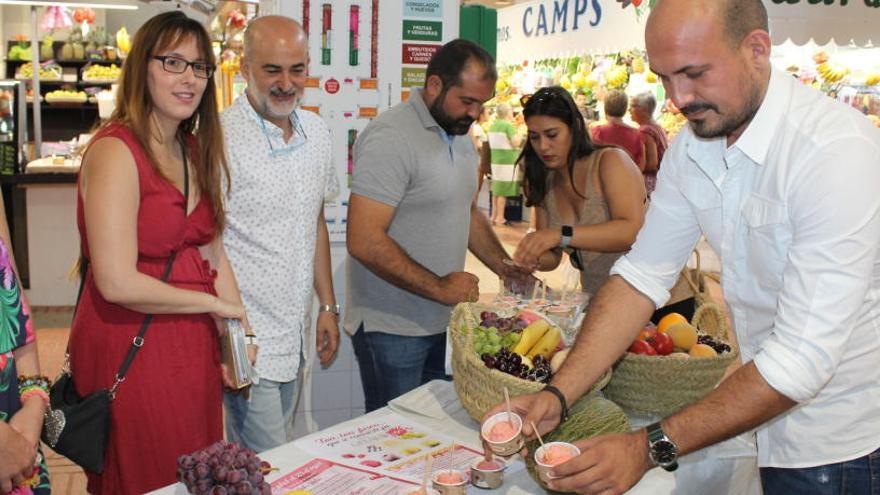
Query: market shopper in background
{"x": 23, "y": 390}
{"x": 132, "y": 216}
{"x": 782, "y": 182}
{"x": 618, "y": 132}
{"x": 281, "y": 171}
{"x": 504, "y": 148}
{"x": 641, "y": 109}
{"x": 411, "y": 219}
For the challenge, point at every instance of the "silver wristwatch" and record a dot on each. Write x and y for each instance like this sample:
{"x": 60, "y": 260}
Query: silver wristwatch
{"x": 330, "y": 308}
{"x": 661, "y": 448}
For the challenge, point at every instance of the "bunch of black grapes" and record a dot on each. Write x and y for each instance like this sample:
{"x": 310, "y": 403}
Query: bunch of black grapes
{"x": 223, "y": 469}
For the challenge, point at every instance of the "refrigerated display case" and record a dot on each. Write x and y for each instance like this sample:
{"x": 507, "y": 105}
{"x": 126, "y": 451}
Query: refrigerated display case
{"x": 13, "y": 128}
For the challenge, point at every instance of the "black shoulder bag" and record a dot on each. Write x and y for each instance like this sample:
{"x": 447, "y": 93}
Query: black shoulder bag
{"x": 77, "y": 427}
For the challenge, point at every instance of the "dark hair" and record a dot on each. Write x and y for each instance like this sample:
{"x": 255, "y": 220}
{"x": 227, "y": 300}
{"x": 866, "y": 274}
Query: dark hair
{"x": 741, "y": 17}
{"x": 553, "y": 101}
{"x": 451, "y": 59}
{"x": 134, "y": 103}
{"x": 615, "y": 103}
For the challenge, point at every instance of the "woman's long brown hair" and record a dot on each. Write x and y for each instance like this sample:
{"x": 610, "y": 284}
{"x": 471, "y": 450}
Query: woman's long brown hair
{"x": 134, "y": 104}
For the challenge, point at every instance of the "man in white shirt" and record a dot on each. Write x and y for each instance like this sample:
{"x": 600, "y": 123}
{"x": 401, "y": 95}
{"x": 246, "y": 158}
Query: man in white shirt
{"x": 782, "y": 182}
{"x": 276, "y": 237}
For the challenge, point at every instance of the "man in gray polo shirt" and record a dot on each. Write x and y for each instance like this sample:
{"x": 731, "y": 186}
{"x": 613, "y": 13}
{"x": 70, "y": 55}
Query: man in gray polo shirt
{"x": 411, "y": 220}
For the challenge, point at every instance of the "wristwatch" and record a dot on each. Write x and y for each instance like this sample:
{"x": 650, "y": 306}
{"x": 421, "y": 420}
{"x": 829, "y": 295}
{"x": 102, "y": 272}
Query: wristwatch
{"x": 330, "y": 308}
{"x": 567, "y": 233}
{"x": 661, "y": 448}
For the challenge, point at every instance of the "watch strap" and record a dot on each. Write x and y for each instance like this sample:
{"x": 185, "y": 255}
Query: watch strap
{"x": 567, "y": 232}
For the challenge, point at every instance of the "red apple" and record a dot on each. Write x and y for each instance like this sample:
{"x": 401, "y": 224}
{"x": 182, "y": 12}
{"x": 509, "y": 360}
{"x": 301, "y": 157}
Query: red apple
{"x": 642, "y": 347}
{"x": 662, "y": 343}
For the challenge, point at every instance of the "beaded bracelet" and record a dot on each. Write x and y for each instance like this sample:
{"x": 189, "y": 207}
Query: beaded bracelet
{"x": 33, "y": 382}
{"x": 35, "y": 392}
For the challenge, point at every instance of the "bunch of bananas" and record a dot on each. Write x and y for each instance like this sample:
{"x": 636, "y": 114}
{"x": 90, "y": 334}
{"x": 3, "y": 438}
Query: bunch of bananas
{"x": 831, "y": 72}
{"x": 638, "y": 65}
{"x": 873, "y": 79}
{"x": 123, "y": 41}
{"x": 616, "y": 77}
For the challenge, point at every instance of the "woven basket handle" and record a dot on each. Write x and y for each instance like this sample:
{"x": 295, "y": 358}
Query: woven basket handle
{"x": 709, "y": 318}
{"x": 689, "y": 275}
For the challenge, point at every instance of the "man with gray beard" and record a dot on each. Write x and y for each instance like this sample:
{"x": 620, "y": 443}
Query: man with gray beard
{"x": 781, "y": 180}
{"x": 276, "y": 238}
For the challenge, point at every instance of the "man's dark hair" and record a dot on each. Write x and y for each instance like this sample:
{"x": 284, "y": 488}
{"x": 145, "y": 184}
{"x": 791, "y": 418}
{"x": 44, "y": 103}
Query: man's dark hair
{"x": 451, "y": 59}
{"x": 741, "y": 17}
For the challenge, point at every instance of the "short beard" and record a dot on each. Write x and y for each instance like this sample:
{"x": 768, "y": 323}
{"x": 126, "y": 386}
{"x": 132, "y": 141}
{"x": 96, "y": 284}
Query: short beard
{"x": 452, "y": 126}
{"x": 726, "y": 126}
{"x": 264, "y": 102}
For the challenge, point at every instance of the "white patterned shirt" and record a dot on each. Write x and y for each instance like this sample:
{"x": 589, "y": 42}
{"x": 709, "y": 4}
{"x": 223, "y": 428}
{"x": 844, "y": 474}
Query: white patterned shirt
{"x": 277, "y": 193}
{"x": 793, "y": 212}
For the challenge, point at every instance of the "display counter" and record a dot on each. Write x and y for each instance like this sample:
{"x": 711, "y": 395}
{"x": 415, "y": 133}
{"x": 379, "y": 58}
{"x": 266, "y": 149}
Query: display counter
{"x": 728, "y": 468}
{"x": 41, "y": 212}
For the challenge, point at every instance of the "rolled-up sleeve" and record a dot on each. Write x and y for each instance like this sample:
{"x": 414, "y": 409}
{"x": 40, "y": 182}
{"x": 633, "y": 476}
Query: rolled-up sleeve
{"x": 835, "y": 214}
{"x": 668, "y": 236}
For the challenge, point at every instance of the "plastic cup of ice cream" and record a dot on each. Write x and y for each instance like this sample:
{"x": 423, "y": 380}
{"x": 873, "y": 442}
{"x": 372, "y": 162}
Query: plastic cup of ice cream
{"x": 450, "y": 482}
{"x": 552, "y": 454}
{"x": 418, "y": 491}
{"x": 503, "y": 434}
{"x": 487, "y": 474}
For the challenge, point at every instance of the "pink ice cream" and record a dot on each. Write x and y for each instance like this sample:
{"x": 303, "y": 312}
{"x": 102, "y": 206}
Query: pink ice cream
{"x": 449, "y": 478}
{"x": 554, "y": 455}
{"x": 488, "y": 466}
{"x": 502, "y": 431}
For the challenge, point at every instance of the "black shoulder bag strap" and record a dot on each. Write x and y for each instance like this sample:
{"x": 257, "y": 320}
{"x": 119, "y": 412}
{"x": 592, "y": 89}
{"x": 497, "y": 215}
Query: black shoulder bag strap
{"x": 138, "y": 341}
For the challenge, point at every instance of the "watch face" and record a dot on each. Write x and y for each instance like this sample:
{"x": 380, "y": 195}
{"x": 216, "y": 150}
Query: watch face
{"x": 567, "y": 230}
{"x": 664, "y": 452}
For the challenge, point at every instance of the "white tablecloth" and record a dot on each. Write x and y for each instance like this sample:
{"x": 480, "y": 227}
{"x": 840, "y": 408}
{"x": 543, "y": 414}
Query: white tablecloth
{"x": 728, "y": 468}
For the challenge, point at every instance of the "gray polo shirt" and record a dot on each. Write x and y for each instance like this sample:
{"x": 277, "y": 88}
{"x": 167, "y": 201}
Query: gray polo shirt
{"x": 404, "y": 159}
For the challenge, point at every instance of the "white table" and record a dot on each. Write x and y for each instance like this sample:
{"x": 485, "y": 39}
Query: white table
{"x": 726, "y": 469}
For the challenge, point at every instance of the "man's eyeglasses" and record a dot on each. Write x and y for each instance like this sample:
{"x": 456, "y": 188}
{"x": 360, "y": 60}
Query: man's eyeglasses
{"x": 177, "y": 65}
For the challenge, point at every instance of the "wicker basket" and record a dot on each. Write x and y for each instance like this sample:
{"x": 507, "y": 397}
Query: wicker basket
{"x": 662, "y": 385}
{"x": 480, "y": 388}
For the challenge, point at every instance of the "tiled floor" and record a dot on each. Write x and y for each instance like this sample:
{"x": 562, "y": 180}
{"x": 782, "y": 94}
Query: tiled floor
{"x": 53, "y": 326}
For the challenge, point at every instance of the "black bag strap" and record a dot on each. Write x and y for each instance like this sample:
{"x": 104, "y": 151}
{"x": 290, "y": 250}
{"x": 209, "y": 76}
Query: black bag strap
{"x": 138, "y": 341}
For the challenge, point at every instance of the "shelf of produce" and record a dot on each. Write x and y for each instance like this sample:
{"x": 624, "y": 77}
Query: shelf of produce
{"x": 69, "y": 62}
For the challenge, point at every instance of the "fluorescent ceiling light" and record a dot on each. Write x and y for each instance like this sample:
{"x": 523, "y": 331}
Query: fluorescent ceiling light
{"x": 37, "y": 3}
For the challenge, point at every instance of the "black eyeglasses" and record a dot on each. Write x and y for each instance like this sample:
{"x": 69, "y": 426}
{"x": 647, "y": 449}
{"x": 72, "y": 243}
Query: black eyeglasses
{"x": 539, "y": 97}
{"x": 177, "y": 65}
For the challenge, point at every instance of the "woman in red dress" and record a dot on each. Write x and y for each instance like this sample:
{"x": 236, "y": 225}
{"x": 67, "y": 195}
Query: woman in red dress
{"x": 132, "y": 215}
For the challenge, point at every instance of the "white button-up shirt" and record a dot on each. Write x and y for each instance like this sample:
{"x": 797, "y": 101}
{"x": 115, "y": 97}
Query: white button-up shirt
{"x": 793, "y": 210}
{"x": 278, "y": 190}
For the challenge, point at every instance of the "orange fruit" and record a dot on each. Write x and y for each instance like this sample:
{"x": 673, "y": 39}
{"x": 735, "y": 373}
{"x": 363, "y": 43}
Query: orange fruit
{"x": 684, "y": 335}
{"x": 669, "y": 320}
{"x": 702, "y": 350}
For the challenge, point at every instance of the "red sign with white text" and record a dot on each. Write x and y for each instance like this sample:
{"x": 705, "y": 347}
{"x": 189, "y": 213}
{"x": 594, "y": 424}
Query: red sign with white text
{"x": 414, "y": 53}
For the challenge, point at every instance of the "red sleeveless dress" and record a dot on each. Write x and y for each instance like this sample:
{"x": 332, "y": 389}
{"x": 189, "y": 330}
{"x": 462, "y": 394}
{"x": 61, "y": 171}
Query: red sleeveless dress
{"x": 171, "y": 401}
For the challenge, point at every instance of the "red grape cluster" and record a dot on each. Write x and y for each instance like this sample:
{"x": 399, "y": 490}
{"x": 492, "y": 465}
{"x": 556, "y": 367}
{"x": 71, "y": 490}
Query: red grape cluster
{"x": 223, "y": 469}
{"x": 720, "y": 347}
{"x": 490, "y": 319}
{"x": 511, "y": 363}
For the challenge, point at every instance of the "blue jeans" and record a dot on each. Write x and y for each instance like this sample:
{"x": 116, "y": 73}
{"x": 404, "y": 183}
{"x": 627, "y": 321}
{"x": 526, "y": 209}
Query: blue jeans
{"x": 265, "y": 421}
{"x": 856, "y": 477}
{"x": 392, "y": 365}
